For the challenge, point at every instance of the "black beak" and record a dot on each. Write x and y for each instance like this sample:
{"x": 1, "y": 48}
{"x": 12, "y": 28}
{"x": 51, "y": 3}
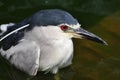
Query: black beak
{"x": 90, "y": 36}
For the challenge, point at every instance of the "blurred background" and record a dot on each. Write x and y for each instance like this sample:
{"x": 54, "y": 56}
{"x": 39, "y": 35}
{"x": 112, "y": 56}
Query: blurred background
{"x": 92, "y": 61}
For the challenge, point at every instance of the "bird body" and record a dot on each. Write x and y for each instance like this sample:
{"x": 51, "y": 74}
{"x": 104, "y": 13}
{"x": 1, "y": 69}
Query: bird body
{"x": 53, "y": 53}
{"x": 43, "y": 42}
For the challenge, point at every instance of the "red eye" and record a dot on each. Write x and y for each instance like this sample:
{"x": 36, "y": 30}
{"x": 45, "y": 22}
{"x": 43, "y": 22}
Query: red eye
{"x": 64, "y": 27}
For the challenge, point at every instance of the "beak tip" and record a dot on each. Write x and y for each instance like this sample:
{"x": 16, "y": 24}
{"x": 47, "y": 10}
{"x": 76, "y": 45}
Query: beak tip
{"x": 90, "y": 36}
{"x": 99, "y": 40}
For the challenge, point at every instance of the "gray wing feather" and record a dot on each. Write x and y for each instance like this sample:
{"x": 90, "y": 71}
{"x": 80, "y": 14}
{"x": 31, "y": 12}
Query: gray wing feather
{"x": 25, "y": 56}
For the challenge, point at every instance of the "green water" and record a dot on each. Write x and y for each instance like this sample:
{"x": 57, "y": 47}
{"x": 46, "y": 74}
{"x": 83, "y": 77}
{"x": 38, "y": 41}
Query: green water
{"x": 92, "y": 61}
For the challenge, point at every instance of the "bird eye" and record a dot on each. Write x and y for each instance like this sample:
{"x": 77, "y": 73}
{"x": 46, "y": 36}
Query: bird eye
{"x": 64, "y": 27}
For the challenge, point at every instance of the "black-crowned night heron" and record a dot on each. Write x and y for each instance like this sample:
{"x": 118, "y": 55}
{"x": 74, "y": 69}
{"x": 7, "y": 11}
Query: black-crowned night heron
{"x": 43, "y": 42}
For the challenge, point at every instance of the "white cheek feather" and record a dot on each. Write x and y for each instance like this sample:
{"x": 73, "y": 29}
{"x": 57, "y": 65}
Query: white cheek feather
{"x": 53, "y": 32}
{"x": 75, "y": 26}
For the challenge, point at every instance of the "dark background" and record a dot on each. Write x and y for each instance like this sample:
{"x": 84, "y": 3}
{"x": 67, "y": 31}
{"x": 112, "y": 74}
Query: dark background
{"x": 92, "y": 61}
